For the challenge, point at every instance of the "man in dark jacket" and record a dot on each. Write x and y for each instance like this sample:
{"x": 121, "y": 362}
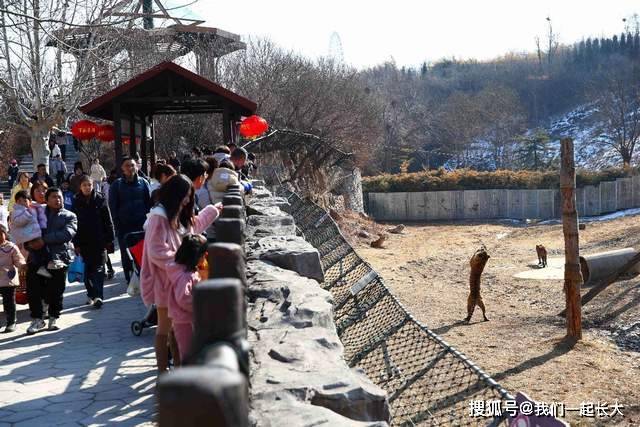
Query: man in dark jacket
{"x": 95, "y": 236}
{"x": 13, "y": 172}
{"x": 42, "y": 176}
{"x": 129, "y": 201}
{"x": 61, "y": 229}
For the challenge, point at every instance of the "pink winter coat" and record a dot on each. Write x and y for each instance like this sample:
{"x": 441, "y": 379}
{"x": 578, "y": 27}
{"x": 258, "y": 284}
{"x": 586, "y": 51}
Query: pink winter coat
{"x": 10, "y": 260}
{"x": 161, "y": 242}
{"x": 181, "y": 298}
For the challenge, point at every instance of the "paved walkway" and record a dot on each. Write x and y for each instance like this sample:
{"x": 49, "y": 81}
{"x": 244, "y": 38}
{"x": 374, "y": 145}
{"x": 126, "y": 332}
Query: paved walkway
{"x": 93, "y": 371}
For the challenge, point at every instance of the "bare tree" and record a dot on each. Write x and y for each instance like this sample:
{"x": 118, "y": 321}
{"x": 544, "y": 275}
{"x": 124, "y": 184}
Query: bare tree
{"x": 504, "y": 120}
{"x": 618, "y": 92}
{"x": 322, "y": 97}
{"x": 44, "y": 75}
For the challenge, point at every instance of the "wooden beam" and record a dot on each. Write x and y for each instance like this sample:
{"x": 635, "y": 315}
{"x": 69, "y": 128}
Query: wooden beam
{"x": 572, "y": 272}
{"x": 170, "y": 99}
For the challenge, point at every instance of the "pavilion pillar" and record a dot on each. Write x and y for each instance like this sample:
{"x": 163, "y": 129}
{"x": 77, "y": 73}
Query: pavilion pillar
{"x": 143, "y": 143}
{"x": 132, "y": 136}
{"x": 226, "y": 125}
{"x": 152, "y": 145}
{"x": 235, "y": 119}
{"x": 117, "y": 124}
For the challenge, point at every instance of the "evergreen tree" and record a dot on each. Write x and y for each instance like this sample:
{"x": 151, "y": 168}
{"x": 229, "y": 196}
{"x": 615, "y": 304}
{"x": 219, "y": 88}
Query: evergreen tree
{"x": 588, "y": 53}
{"x": 533, "y": 150}
{"x": 604, "y": 46}
{"x": 636, "y": 45}
{"x": 575, "y": 54}
{"x": 623, "y": 43}
{"x": 424, "y": 70}
{"x": 581, "y": 52}
{"x": 615, "y": 45}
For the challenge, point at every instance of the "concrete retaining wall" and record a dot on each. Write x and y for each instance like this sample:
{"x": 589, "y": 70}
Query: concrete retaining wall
{"x": 611, "y": 196}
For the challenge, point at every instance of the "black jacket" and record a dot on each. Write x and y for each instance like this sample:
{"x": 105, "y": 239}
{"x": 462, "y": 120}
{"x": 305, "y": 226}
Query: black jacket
{"x": 129, "y": 202}
{"x": 95, "y": 227}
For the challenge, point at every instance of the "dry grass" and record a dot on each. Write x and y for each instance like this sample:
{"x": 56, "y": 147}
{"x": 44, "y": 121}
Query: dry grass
{"x": 522, "y": 346}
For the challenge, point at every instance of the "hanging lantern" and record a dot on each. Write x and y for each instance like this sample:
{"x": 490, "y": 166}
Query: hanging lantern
{"x": 253, "y": 126}
{"x": 105, "y": 133}
{"x": 84, "y": 130}
{"x": 126, "y": 140}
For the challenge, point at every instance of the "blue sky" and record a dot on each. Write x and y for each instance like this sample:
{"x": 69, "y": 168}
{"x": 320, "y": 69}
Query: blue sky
{"x": 413, "y": 31}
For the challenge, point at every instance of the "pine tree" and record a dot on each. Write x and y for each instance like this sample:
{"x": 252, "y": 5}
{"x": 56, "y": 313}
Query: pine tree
{"x": 623, "y": 44}
{"x": 636, "y": 45}
{"x": 424, "y": 70}
{"x": 588, "y": 53}
{"x": 604, "y": 46}
{"x": 533, "y": 150}
{"x": 581, "y": 52}
{"x": 615, "y": 45}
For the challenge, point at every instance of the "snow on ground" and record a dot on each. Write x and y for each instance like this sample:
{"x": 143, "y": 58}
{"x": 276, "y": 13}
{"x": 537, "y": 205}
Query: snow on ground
{"x": 607, "y": 217}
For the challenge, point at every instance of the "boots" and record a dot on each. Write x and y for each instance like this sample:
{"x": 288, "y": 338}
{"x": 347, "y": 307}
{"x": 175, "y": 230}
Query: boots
{"x": 162, "y": 353}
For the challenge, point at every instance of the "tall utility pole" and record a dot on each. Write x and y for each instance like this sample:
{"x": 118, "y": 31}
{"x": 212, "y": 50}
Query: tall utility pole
{"x": 572, "y": 273}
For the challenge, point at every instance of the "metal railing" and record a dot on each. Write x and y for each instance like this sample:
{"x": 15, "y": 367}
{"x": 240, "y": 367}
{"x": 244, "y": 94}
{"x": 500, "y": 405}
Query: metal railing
{"x": 428, "y": 381}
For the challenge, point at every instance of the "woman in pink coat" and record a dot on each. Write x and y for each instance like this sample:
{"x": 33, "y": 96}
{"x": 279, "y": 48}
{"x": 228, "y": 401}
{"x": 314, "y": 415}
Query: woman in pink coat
{"x": 166, "y": 223}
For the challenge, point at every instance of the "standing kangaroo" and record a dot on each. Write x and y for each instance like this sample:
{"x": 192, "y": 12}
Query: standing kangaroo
{"x": 478, "y": 261}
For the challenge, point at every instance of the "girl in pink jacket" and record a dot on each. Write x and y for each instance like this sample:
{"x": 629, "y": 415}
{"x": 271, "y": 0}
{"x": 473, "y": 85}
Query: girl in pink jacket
{"x": 184, "y": 274}
{"x": 11, "y": 259}
{"x": 167, "y": 222}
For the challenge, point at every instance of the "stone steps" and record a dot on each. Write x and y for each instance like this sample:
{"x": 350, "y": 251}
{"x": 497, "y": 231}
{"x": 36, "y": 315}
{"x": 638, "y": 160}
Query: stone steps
{"x": 25, "y": 164}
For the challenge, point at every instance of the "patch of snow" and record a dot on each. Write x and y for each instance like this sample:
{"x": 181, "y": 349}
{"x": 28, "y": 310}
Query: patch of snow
{"x": 614, "y": 215}
{"x": 607, "y": 217}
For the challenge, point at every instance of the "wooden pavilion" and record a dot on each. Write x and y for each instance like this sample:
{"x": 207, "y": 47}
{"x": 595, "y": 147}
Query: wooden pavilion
{"x": 166, "y": 88}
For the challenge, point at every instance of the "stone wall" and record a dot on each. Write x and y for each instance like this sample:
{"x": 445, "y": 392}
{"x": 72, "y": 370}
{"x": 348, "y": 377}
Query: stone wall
{"x": 624, "y": 193}
{"x": 298, "y": 372}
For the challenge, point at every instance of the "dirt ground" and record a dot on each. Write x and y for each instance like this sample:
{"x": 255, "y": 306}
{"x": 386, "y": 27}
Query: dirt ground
{"x": 522, "y": 345}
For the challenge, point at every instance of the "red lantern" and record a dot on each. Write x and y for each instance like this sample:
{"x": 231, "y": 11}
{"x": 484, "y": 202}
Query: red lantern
{"x": 253, "y": 126}
{"x": 84, "y": 130}
{"x": 126, "y": 140}
{"x": 105, "y": 133}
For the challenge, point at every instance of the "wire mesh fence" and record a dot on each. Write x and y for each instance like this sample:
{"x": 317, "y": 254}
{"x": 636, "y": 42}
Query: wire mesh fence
{"x": 428, "y": 382}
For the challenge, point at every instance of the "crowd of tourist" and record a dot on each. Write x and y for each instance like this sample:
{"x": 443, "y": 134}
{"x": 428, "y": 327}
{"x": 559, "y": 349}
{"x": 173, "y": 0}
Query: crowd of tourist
{"x": 52, "y": 218}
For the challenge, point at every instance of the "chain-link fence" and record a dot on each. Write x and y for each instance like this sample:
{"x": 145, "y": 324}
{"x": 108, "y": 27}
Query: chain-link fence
{"x": 428, "y": 382}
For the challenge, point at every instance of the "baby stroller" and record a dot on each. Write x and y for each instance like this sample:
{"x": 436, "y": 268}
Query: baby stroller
{"x": 135, "y": 243}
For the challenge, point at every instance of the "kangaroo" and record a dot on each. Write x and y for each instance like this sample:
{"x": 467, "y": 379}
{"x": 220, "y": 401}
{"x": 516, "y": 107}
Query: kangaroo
{"x": 478, "y": 261}
{"x": 542, "y": 256}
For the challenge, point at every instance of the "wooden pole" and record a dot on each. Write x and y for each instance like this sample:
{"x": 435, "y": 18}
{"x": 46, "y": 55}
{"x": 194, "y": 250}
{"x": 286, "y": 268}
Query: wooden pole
{"x": 143, "y": 144}
{"x": 572, "y": 273}
{"x": 132, "y": 135}
{"x": 117, "y": 123}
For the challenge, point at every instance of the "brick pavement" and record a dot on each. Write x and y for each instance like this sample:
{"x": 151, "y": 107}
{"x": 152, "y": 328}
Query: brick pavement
{"x": 93, "y": 371}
